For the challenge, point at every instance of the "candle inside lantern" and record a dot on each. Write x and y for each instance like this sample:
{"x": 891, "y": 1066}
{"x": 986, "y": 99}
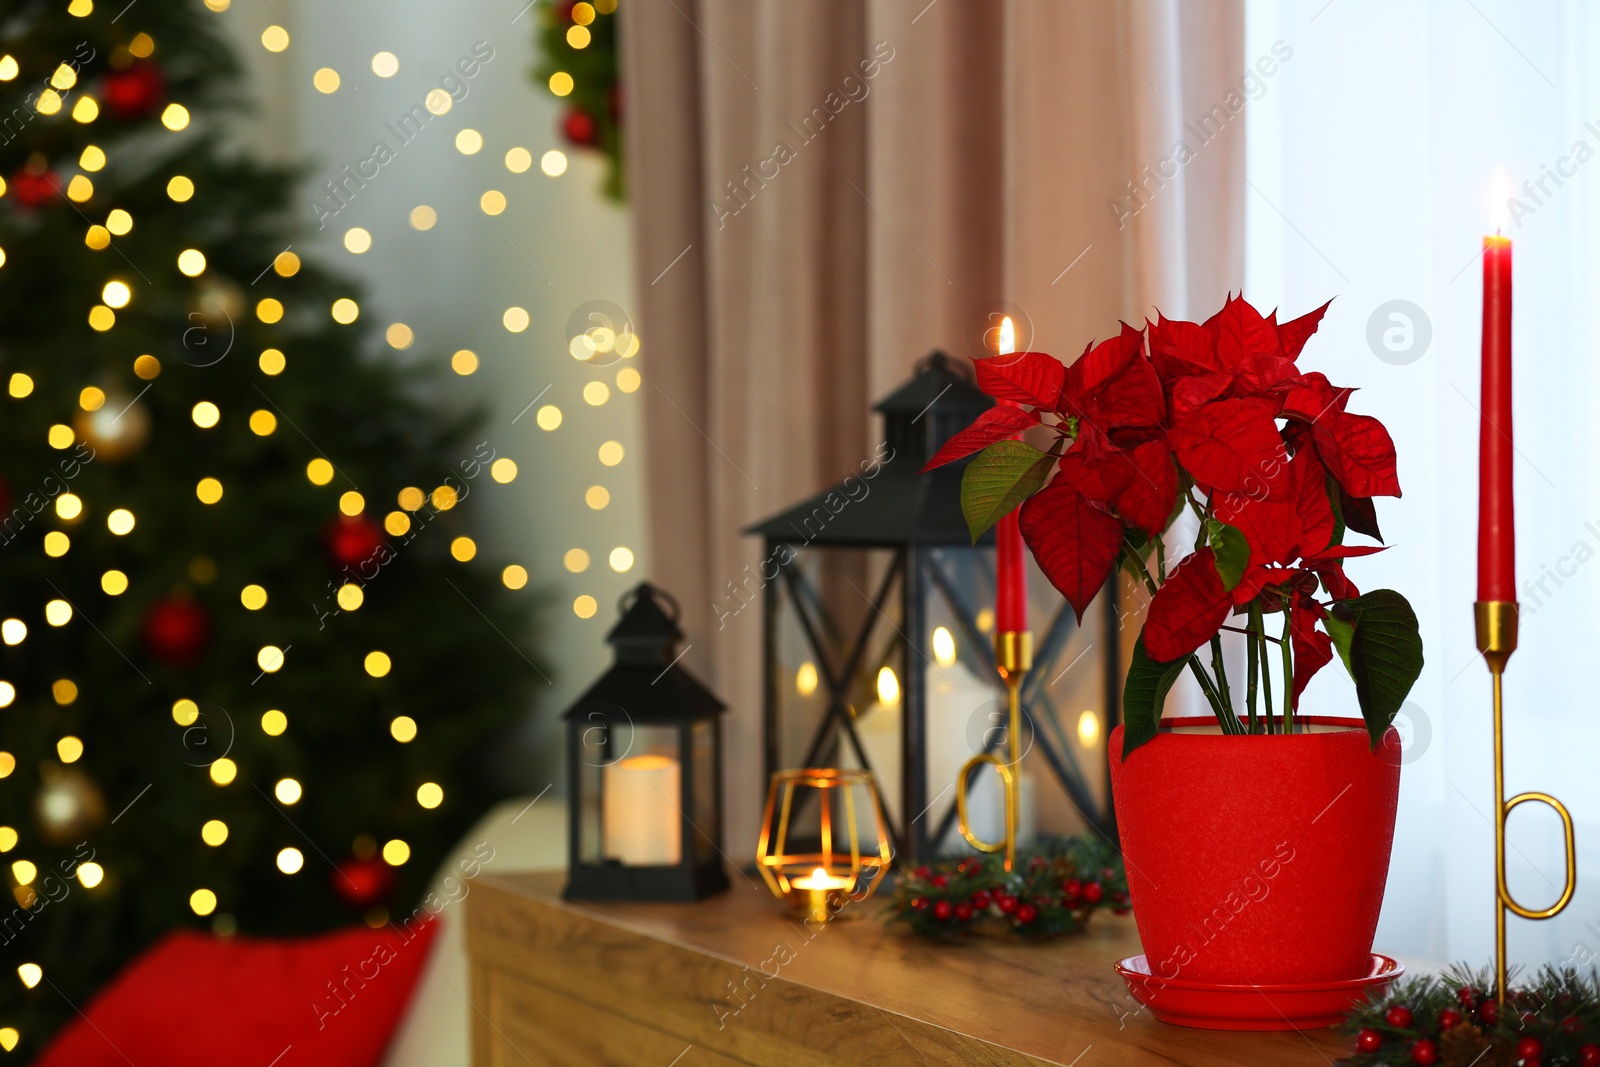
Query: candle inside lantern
{"x": 817, "y": 888}
{"x": 642, "y": 825}
{"x": 1496, "y": 524}
{"x": 1011, "y": 585}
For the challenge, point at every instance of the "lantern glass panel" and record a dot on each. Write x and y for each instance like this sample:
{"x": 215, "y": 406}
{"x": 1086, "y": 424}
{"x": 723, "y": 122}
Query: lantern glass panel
{"x": 641, "y": 795}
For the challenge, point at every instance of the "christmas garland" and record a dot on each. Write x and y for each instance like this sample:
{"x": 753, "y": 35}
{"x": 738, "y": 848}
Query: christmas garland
{"x": 578, "y": 64}
{"x": 1053, "y": 890}
{"x": 1456, "y": 1021}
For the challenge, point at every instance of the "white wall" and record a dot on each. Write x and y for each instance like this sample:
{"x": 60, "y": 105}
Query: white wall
{"x": 1370, "y": 157}
{"x": 556, "y": 246}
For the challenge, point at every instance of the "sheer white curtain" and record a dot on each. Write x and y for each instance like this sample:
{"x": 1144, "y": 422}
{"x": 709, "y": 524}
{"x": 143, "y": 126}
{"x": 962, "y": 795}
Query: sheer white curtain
{"x": 1369, "y": 161}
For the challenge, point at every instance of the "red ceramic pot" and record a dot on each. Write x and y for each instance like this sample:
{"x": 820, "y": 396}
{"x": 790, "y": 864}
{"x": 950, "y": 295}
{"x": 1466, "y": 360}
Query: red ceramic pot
{"x": 1258, "y": 859}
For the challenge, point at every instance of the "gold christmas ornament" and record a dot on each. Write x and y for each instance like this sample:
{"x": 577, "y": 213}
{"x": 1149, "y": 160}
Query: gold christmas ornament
{"x": 116, "y": 430}
{"x": 68, "y": 806}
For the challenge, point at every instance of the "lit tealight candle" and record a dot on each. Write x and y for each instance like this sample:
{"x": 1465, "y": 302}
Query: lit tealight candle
{"x": 818, "y": 889}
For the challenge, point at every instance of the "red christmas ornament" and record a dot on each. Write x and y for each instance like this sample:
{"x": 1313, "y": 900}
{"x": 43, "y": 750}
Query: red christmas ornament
{"x": 353, "y": 541}
{"x": 1398, "y": 1017}
{"x": 1026, "y": 913}
{"x": 1589, "y": 1056}
{"x": 363, "y": 883}
{"x": 1450, "y": 1017}
{"x": 581, "y": 129}
{"x": 1092, "y": 892}
{"x": 176, "y": 631}
{"x": 32, "y": 190}
{"x": 942, "y": 909}
{"x": 1489, "y": 1011}
{"x": 1529, "y": 1049}
{"x": 1006, "y": 903}
{"x": 135, "y": 92}
{"x": 1425, "y": 1052}
{"x": 1369, "y": 1041}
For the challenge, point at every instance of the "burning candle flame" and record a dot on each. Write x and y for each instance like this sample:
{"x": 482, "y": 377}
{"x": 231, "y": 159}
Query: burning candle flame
{"x": 1500, "y": 200}
{"x": 888, "y": 688}
{"x": 944, "y": 647}
{"x": 1007, "y": 341}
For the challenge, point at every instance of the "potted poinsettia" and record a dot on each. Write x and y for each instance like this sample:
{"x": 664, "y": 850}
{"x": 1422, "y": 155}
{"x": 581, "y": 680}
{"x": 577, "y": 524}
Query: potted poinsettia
{"x": 1257, "y": 841}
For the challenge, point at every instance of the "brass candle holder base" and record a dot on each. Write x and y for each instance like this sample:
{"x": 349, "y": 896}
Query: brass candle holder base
{"x": 1013, "y": 655}
{"x": 1496, "y": 624}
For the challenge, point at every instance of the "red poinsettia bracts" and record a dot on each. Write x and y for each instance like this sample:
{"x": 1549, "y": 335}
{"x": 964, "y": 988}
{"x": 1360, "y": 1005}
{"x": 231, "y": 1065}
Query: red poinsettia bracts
{"x": 1214, "y": 418}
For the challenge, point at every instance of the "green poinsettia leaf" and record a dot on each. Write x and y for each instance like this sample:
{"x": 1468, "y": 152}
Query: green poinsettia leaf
{"x": 1231, "y": 552}
{"x": 998, "y": 479}
{"x": 1385, "y": 653}
{"x": 1144, "y": 695}
{"x": 1342, "y": 633}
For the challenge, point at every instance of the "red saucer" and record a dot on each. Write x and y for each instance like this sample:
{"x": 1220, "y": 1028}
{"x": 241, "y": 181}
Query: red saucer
{"x": 1215, "y": 1006}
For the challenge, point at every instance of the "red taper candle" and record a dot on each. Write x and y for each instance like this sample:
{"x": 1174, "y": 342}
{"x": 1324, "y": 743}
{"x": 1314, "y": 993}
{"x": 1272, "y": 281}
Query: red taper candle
{"x": 1011, "y": 580}
{"x": 1497, "y": 573}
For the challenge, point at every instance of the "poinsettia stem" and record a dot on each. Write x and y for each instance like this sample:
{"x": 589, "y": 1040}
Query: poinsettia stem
{"x": 1252, "y": 633}
{"x": 1229, "y": 724}
{"x": 1252, "y": 670}
{"x": 1138, "y": 563}
{"x": 1259, "y": 625}
{"x": 1222, "y": 677}
{"x": 1288, "y": 676}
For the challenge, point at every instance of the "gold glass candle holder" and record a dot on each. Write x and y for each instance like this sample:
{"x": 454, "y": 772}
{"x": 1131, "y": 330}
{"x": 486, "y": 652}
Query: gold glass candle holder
{"x": 824, "y": 840}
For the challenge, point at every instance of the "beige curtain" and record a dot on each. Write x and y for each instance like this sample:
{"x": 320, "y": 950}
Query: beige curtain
{"x": 825, "y": 191}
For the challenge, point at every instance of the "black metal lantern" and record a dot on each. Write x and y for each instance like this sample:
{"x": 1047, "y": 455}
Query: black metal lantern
{"x": 878, "y": 636}
{"x": 644, "y": 763}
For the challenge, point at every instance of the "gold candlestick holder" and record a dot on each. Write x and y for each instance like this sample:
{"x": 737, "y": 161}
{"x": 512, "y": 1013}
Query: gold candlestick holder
{"x": 1496, "y": 623}
{"x": 1013, "y": 655}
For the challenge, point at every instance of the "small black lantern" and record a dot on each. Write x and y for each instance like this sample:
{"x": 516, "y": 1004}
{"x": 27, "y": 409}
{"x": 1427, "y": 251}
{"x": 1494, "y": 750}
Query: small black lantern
{"x": 644, "y": 763}
{"x": 878, "y": 652}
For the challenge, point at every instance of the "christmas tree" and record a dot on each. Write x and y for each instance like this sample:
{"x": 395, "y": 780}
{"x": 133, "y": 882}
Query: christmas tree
{"x": 250, "y": 656}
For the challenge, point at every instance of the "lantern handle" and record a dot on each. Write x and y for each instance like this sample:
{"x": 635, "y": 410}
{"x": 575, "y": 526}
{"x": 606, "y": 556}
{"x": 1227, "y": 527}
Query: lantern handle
{"x": 656, "y": 593}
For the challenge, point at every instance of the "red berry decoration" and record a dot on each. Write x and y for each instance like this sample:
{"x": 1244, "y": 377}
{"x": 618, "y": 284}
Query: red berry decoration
{"x": 581, "y": 129}
{"x": 964, "y": 912}
{"x": 982, "y": 899}
{"x": 1425, "y": 1052}
{"x": 922, "y": 872}
{"x": 942, "y": 910}
{"x": 940, "y": 881}
{"x": 1529, "y": 1049}
{"x": 135, "y": 92}
{"x": 1026, "y": 913}
{"x": 1450, "y": 1017}
{"x": 1589, "y": 1056}
{"x": 1369, "y": 1040}
{"x": 176, "y": 631}
{"x": 1571, "y": 1024}
{"x": 1092, "y": 892}
{"x": 1489, "y": 1012}
{"x": 1467, "y": 996}
{"x": 1072, "y": 888}
{"x": 1398, "y": 1017}
{"x": 363, "y": 883}
{"x": 32, "y": 190}
{"x": 1006, "y": 903}
{"x": 353, "y": 541}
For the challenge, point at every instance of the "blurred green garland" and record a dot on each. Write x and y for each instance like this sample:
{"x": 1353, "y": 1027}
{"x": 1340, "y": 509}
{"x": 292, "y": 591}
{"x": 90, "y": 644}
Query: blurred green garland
{"x": 1055, "y": 887}
{"x": 578, "y": 64}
